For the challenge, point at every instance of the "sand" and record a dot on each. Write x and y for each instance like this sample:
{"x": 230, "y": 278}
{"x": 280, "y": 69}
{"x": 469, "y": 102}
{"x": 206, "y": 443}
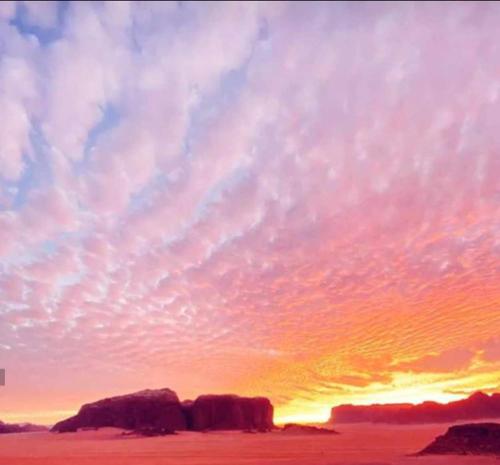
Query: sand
{"x": 360, "y": 444}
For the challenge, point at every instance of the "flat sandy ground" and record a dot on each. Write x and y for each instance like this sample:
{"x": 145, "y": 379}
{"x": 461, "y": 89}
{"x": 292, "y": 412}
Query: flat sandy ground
{"x": 360, "y": 444}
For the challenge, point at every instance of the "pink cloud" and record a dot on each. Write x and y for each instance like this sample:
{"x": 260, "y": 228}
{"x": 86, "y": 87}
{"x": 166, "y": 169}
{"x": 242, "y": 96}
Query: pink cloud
{"x": 492, "y": 350}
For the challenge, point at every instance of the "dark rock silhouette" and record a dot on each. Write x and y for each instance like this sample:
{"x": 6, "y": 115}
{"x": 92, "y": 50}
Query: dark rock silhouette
{"x": 473, "y": 439}
{"x": 186, "y": 407}
{"x": 6, "y": 428}
{"x": 294, "y": 428}
{"x": 230, "y": 412}
{"x": 149, "y": 431}
{"x": 159, "y": 412}
{"x": 145, "y": 409}
{"x": 477, "y": 406}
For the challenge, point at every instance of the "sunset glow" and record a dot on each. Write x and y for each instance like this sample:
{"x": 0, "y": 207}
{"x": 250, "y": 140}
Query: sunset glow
{"x": 292, "y": 200}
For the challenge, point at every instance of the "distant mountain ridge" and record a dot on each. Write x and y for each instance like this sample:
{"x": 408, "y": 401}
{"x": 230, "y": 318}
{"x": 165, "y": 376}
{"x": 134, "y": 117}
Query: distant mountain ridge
{"x": 6, "y": 428}
{"x": 478, "y": 406}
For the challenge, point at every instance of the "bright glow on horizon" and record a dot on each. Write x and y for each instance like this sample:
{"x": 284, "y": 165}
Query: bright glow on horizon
{"x": 319, "y": 415}
{"x": 406, "y": 389}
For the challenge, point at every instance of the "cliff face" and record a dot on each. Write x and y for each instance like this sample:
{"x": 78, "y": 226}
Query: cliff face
{"x": 150, "y": 408}
{"x": 475, "y": 407}
{"x": 161, "y": 410}
{"x": 473, "y": 439}
{"x": 230, "y": 412}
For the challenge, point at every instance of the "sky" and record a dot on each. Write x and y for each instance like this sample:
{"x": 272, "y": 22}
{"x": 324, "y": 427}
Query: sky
{"x": 293, "y": 200}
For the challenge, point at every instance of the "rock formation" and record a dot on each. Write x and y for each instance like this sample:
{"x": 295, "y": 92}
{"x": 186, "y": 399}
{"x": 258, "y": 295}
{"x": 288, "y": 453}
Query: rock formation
{"x": 230, "y": 412}
{"x": 153, "y": 411}
{"x": 473, "y": 439}
{"x": 159, "y": 409}
{"x": 294, "y": 428}
{"x": 477, "y": 406}
{"x": 6, "y": 428}
{"x": 149, "y": 431}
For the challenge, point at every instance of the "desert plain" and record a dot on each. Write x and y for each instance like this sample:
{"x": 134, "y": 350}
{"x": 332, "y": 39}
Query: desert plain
{"x": 360, "y": 444}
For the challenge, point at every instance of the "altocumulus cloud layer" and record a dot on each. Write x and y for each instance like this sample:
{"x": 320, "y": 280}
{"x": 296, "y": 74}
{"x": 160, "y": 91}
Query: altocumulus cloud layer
{"x": 294, "y": 200}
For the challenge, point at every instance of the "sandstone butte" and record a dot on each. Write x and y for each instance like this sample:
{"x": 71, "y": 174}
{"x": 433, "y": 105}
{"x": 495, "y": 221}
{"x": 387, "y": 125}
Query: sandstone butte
{"x": 161, "y": 410}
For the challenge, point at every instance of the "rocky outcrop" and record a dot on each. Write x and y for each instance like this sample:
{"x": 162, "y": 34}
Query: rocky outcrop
{"x": 471, "y": 439}
{"x": 159, "y": 409}
{"x": 230, "y": 412}
{"x": 294, "y": 428}
{"x": 159, "y": 412}
{"x": 6, "y": 428}
{"x": 477, "y": 406}
{"x": 149, "y": 431}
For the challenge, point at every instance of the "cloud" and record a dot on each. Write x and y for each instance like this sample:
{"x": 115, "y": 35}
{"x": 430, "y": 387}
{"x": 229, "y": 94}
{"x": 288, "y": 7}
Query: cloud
{"x": 297, "y": 200}
{"x": 7, "y": 10}
{"x": 491, "y": 351}
{"x": 43, "y": 14}
{"x": 18, "y": 96}
{"x": 452, "y": 360}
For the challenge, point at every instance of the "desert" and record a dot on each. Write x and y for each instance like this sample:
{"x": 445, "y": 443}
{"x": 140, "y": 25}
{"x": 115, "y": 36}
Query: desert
{"x": 355, "y": 445}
